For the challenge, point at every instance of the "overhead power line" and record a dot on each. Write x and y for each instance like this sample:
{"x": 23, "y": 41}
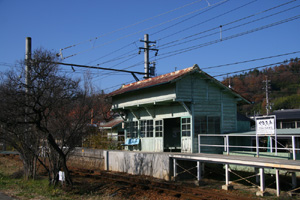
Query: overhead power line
{"x": 112, "y": 67}
{"x": 137, "y": 32}
{"x": 125, "y": 27}
{"x": 211, "y": 7}
{"x": 208, "y": 20}
{"x": 244, "y": 70}
{"x": 229, "y": 23}
{"x": 246, "y": 61}
{"x": 183, "y": 50}
{"x": 112, "y": 52}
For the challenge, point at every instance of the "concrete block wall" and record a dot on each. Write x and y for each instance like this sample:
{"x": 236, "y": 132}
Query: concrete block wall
{"x": 91, "y": 159}
{"x": 157, "y": 165}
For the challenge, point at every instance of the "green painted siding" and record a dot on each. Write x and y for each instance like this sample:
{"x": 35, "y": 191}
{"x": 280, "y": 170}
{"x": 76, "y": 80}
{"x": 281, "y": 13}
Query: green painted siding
{"x": 209, "y": 100}
{"x": 229, "y": 114}
{"x": 146, "y": 96}
{"x": 194, "y": 92}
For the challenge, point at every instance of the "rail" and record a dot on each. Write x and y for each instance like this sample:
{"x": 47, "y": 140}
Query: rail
{"x": 226, "y": 143}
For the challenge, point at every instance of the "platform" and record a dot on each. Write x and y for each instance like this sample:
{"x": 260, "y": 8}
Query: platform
{"x": 259, "y": 163}
{"x": 241, "y": 160}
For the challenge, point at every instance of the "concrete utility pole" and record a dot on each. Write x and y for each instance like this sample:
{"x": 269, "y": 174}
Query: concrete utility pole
{"x": 146, "y": 49}
{"x": 27, "y": 62}
{"x": 27, "y": 79}
{"x": 267, "y": 87}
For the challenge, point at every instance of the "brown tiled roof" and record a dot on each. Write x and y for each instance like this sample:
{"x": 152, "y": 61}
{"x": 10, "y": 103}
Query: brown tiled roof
{"x": 168, "y": 78}
{"x": 158, "y": 80}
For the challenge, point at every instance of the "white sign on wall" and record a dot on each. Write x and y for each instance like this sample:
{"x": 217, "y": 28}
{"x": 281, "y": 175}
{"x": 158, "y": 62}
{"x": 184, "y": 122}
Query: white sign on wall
{"x": 265, "y": 126}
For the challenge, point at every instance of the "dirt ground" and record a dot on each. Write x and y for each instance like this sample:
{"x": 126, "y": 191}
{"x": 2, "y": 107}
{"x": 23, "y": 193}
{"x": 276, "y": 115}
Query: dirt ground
{"x": 110, "y": 185}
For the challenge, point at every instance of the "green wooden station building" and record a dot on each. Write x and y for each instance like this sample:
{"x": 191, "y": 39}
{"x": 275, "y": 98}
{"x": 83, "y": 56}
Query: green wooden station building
{"x": 167, "y": 112}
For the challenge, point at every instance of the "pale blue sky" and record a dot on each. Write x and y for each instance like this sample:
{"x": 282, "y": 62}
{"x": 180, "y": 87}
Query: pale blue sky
{"x": 120, "y": 24}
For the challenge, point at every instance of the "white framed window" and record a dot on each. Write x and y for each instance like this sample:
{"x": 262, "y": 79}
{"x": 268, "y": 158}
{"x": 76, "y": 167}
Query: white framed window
{"x": 132, "y": 129}
{"x": 158, "y": 128}
{"x": 186, "y": 127}
{"x": 146, "y": 128}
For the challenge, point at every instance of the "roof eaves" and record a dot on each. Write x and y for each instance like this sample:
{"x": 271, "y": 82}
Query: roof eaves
{"x": 225, "y": 87}
{"x": 189, "y": 71}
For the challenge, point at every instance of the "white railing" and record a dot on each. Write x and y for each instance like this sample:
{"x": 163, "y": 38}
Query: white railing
{"x": 226, "y": 144}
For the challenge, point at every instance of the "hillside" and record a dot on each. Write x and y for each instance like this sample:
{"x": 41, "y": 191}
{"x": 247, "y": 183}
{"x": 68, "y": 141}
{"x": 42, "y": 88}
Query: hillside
{"x": 284, "y": 87}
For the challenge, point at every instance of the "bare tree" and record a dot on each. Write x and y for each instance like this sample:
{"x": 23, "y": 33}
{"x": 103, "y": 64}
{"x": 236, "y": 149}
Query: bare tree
{"x": 14, "y": 127}
{"x": 55, "y": 109}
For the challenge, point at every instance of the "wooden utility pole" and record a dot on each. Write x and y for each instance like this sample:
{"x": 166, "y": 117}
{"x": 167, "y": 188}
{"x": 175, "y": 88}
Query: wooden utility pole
{"x": 146, "y": 49}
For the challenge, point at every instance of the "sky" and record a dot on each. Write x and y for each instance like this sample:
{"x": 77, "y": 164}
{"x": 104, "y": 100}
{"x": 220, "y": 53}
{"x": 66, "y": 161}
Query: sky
{"x": 108, "y": 33}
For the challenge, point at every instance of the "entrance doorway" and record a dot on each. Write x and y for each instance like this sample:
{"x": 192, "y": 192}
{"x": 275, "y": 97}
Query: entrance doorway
{"x": 172, "y": 135}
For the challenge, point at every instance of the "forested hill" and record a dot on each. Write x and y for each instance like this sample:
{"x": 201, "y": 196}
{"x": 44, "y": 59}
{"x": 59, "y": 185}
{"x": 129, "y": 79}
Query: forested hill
{"x": 284, "y": 87}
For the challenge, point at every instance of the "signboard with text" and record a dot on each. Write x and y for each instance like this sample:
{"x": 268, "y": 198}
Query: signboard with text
{"x": 265, "y": 125}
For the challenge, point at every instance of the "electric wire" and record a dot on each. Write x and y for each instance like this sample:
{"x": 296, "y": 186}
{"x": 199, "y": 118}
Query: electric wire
{"x": 217, "y": 32}
{"x": 211, "y": 7}
{"x": 117, "y": 85}
{"x": 252, "y": 60}
{"x": 112, "y": 67}
{"x": 184, "y": 50}
{"x": 231, "y": 28}
{"x": 296, "y": 17}
{"x": 213, "y": 18}
{"x": 244, "y": 70}
{"x": 137, "y": 32}
{"x": 117, "y": 58}
{"x": 217, "y": 4}
{"x": 134, "y": 24}
{"x": 112, "y": 52}
{"x": 260, "y": 12}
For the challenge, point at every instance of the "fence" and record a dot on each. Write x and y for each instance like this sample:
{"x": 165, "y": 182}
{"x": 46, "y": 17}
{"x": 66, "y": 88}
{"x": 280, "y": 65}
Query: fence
{"x": 227, "y": 140}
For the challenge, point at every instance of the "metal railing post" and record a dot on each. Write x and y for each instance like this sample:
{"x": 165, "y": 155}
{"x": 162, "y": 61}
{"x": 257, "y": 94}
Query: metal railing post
{"x": 199, "y": 144}
{"x": 257, "y": 146}
{"x": 227, "y": 142}
{"x": 271, "y": 144}
{"x": 293, "y": 146}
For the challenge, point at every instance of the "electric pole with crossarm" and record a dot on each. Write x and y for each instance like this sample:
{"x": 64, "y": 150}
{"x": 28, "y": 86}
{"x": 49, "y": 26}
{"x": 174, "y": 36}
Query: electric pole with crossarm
{"x": 148, "y": 71}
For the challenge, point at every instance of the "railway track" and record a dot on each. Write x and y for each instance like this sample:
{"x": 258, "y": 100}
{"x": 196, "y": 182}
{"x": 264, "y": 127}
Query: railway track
{"x": 175, "y": 190}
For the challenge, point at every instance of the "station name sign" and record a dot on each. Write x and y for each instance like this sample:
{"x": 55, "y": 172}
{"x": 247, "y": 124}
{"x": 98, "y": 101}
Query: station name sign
{"x": 265, "y": 125}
